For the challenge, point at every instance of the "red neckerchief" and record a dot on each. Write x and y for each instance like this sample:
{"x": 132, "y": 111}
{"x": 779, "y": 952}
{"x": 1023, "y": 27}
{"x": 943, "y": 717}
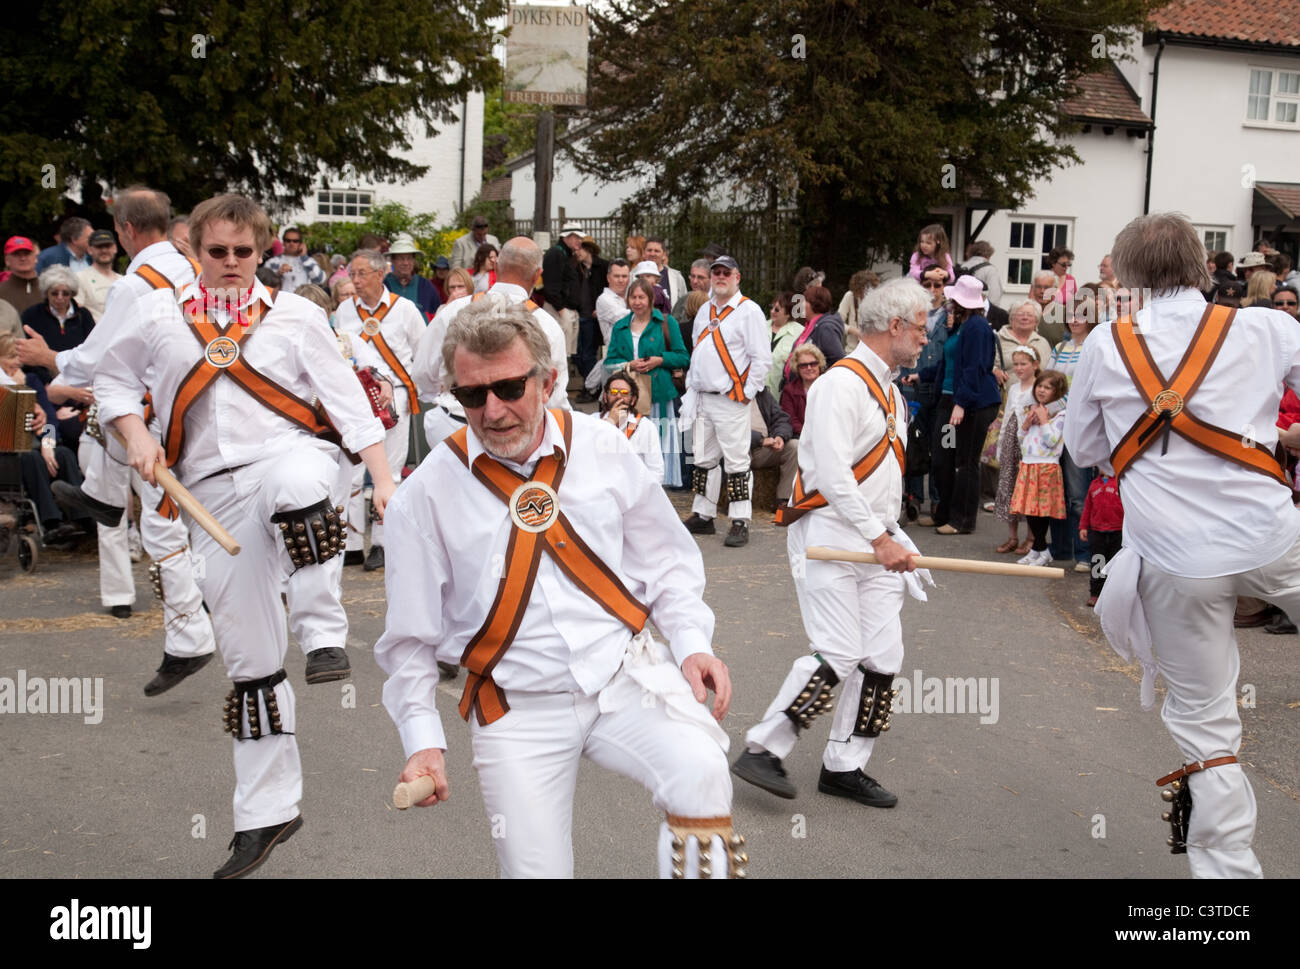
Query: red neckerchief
{"x": 208, "y": 300}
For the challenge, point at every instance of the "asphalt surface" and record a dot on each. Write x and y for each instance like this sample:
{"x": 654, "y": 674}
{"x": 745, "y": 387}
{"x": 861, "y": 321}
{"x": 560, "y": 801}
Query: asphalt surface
{"x": 1060, "y": 784}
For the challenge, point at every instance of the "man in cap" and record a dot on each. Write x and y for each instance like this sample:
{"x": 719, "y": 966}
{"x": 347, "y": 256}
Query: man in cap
{"x": 96, "y": 281}
{"x": 729, "y": 365}
{"x": 441, "y": 267}
{"x": 20, "y": 289}
{"x": 464, "y": 248}
{"x": 1251, "y": 263}
{"x": 295, "y": 267}
{"x": 404, "y": 281}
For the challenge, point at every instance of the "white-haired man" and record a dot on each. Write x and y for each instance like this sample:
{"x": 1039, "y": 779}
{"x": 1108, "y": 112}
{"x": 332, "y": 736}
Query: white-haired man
{"x": 729, "y": 365}
{"x": 847, "y": 495}
{"x": 539, "y": 579}
{"x": 393, "y": 325}
{"x": 1162, "y": 398}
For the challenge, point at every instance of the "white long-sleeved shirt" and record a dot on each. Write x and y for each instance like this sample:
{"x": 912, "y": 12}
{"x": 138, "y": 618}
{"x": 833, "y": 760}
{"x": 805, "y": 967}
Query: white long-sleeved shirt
{"x": 445, "y": 559}
{"x": 747, "y": 336}
{"x": 842, "y": 422}
{"x": 1190, "y": 512}
{"x": 610, "y": 308}
{"x": 430, "y": 372}
{"x": 77, "y": 366}
{"x": 645, "y": 442}
{"x": 227, "y": 426}
{"x": 401, "y": 328}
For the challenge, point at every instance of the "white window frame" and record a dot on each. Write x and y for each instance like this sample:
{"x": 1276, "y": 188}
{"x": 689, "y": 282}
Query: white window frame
{"x": 1274, "y": 98}
{"x": 1035, "y": 253}
{"x": 360, "y": 200}
{"x": 1203, "y": 230}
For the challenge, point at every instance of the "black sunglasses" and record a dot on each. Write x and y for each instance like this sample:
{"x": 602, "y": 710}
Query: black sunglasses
{"x": 220, "y": 252}
{"x": 512, "y": 388}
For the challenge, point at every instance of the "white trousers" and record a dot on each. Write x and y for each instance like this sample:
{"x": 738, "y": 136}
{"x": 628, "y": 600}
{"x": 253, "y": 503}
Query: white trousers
{"x": 721, "y": 432}
{"x": 187, "y": 628}
{"x": 248, "y": 617}
{"x": 527, "y": 764}
{"x": 1196, "y": 653}
{"x": 396, "y": 443}
{"x": 851, "y": 615}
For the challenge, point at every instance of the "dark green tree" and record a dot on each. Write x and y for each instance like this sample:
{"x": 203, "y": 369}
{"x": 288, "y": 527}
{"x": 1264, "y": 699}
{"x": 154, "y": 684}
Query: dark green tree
{"x": 197, "y": 97}
{"x": 849, "y": 110}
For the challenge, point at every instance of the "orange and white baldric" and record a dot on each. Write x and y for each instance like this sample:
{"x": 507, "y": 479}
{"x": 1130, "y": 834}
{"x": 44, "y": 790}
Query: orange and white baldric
{"x": 371, "y": 332}
{"x": 737, "y": 391}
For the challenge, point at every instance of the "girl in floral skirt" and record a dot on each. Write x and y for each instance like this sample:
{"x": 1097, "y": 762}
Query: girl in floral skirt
{"x": 1024, "y": 364}
{"x": 1039, "y": 493}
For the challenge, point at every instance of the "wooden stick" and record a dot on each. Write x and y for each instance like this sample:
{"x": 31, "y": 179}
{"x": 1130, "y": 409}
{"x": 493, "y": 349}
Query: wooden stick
{"x": 412, "y": 792}
{"x": 947, "y": 565}
{"x": 188, "y": 503}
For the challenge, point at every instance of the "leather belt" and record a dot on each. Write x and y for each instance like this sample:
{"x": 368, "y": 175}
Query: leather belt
{"x": 1194, "y": 768}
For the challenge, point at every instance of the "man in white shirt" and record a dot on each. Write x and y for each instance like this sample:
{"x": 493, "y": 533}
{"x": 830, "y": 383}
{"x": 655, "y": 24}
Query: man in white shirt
{"x": 96, "y": 281}
{"x": 295, "y": 267}
{"x": 539, "y": 579}
{"x": 850, "y": 611}
{"x": 465, "y": 247}
{"x": 1207, "y": 511}
{"x": 729, "y": 365}
{"x": 394, "y": 325}
{"x": 248, "y": 450}
{"x": 518, "y": 269}
{"x": 140, "y": 215}
{"x": 670, "y": 280}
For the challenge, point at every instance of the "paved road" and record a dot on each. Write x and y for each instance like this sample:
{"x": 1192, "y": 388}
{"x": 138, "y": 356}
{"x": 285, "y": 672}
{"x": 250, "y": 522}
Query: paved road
{"x": 1058, "y": 784}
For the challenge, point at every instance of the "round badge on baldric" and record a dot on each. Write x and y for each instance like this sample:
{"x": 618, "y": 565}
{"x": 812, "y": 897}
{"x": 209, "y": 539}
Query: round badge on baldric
{"x": 1167, "y": 400}
{"x": 222, "y": 352}
{"x": 534, "y": 506}
{"x": 891, "y": 426}
{"x": 371, "y": 325}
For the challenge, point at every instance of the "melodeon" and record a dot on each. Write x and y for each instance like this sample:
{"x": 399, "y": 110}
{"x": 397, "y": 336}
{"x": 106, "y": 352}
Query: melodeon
{"x": 17, "y": 410}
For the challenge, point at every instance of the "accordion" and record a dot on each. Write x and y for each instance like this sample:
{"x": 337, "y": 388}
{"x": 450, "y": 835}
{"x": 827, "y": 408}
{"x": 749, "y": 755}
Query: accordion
{"x": 370, "y": 381}
{"x": 17, "y": 410}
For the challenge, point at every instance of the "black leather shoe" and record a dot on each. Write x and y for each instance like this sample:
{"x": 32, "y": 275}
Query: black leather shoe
{"x": 375, "y": 560}
{"x": 120, "y": 612}
{"x": 856, "y": 785}
{"x": 700, "y": 526}
{"x": 738, "y": 536}
{"x": 65, "y": 533}
{"x": 764, "y": 770}
{"x": 251, "y": 848}
{"x": 1280, "y": 625}
{"x": 325, "y": 665}
{"x": 449, "y": 671}
{"x": 173, "y": 670}
{"x": 81, "y": 505}
{"x": 355, "y": 557}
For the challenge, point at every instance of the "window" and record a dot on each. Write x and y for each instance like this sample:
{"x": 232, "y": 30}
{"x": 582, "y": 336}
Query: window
{"x": 1030, "y": 241}
{"x": 1214, "y": 237}
{"x": 345, "y": 204}
{"x": 1273, "y": 97}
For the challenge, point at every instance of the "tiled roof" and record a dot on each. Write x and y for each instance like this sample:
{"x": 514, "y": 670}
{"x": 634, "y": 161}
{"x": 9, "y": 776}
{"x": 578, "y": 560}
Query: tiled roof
{"x": 1106, "y": 96}
{"x": 1275, "y": 23}
{"x": 1285, "y": 195}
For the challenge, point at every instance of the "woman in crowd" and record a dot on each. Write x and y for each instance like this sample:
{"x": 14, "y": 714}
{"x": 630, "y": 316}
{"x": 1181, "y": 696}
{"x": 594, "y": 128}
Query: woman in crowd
{"x": 1059, "y": 261}
{"x": 645, "y": 344}
{"x": 618, "y": 406}
{"x": 485, "y": 267}
{"x": 807, "y": 363}
{"x": 823, "y": 329}
{"x": 784, "y": 331}
{"x": 58, "y": 319}
{"x": 1259, "y": 289}
{"x": 1021, "y": 330}
{"x": 634, "y": 248}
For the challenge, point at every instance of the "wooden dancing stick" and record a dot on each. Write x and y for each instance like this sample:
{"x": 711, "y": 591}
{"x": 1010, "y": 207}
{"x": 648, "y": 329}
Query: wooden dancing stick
{"x": 188, "y": 503}
{"x": 824, "y": 554}
{"x": 412, "y": 792}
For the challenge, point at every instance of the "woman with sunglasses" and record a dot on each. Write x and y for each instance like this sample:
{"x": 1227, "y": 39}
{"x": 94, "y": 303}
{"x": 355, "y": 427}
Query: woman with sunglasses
{"x": 618, "y": 406}
{"x": 806, "y": 363}
{"x": 59, "y": 319}
{"x": 1059, "y": 261}
{"x": 644, "y": 343}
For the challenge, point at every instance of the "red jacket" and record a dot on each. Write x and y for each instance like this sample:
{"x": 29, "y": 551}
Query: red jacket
{"x": 1102, "y": 509}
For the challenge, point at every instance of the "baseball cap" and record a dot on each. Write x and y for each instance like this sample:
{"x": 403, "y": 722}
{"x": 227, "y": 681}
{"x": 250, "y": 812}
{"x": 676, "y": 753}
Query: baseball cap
{"x": 726, "y": 261}
{"x": 101, "y": 237}
{"x": 18, "y": 244}
{"x": 1231, "y": 288}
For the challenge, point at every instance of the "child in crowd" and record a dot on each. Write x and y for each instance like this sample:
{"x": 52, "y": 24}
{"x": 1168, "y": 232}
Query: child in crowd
{"x": 1020, "y": 394}
{"x": 1040, "y": 494}
{"x": 1102, "y": 526}
{"x": 931, "y": 250}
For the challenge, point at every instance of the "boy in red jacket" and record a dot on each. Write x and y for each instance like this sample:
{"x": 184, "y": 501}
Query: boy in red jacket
{"x": 1102, "y": 526}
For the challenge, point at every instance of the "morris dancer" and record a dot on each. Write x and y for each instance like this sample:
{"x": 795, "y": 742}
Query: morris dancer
{"x": 847, "y": 495}
{"x": 539, "y": 577}
{"x": 247, "y": 447}
{"x": 1181, "y": 401}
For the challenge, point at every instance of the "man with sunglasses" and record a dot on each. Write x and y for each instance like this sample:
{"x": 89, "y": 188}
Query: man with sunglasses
{"x": 238, "y": 380}
{"x": 1286, "y": 300}
{"x": 394, "y": 326}
{"x": 140, "y": 216}
{"x": 295, "y": 267}
{"x": 540, "y": 578}
{"x": 729, "y": 363}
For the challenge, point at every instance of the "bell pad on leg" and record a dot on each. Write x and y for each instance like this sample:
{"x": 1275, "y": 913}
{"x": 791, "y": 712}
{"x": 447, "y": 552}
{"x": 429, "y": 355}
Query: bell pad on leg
{"x": 700, "y": 480}
{"x": 242, "y": 701}
{"x": 876, "y": 703}
{"x": 738, "y": 486}
{"x": 311, "y": 535}
{"x": 703, "y": 831}
{"x": 815, "y": 698}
